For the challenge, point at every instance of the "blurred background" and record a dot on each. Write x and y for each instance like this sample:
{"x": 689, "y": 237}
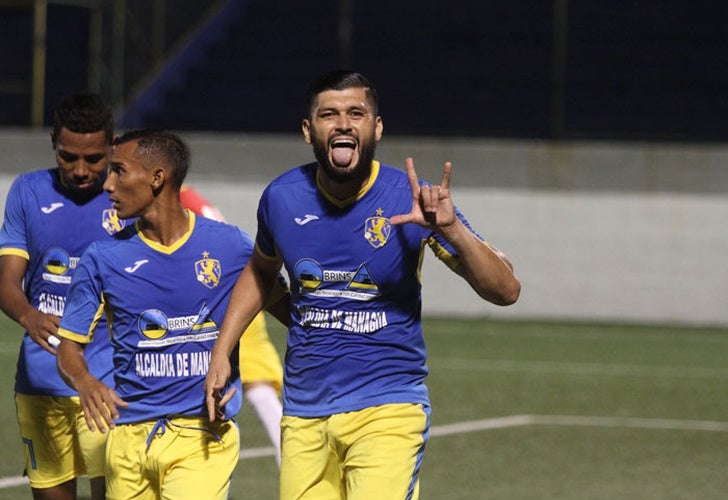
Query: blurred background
{"x": 525, "y": 68}
{"x": 588, "y": 137}
{"x": 589, "y": 141}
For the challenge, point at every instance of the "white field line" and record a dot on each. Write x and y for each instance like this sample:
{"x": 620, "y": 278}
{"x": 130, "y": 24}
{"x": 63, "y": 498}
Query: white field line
{"x": 481, "y": 425}
{"x": 508, "y": 422}
{"x": 630, "y": 422}
{"x": 579, "y": 421}
{"x": 9, "y": 482}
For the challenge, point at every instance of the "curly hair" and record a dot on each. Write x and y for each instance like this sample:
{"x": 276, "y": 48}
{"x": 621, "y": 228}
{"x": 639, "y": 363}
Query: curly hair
{"x": 83, "y": 113}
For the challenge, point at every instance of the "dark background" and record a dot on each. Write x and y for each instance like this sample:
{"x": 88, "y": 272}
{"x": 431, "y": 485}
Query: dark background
{"x": 571, "y": 69}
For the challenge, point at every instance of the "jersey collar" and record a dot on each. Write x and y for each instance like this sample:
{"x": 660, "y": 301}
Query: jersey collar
{"x": 364, "y": 189}
{"x": 174, "y": 246}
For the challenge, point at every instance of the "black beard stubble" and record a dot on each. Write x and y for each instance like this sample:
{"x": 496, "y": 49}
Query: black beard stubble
{"x": 360, "y": 172}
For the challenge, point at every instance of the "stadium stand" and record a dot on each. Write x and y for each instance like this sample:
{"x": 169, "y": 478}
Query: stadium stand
{"x": 481, "y": 69}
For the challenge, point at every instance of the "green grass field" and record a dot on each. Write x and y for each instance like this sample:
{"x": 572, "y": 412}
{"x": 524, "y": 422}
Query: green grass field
{"x": 526, "y": 410}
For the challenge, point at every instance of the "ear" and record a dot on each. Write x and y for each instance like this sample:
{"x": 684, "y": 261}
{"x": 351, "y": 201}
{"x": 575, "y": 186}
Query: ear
{"x": 378, "y": 128}
{"x": 306, "y": 129}
{"x": 158, "y": 177}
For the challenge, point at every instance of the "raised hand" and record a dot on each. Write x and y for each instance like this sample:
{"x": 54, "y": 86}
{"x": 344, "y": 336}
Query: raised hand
{"x": 432, "y": 206}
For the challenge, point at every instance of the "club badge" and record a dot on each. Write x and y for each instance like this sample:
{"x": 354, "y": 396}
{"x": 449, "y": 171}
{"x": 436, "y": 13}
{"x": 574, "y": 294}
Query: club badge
{"x": 208, "y": 271}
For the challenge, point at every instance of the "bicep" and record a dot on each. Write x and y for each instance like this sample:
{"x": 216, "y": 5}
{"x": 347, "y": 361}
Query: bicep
{"x": 12, "y": 270}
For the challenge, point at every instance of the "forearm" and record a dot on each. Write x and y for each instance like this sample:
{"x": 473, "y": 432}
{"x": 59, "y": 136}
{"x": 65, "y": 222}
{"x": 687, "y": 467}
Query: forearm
{"x": 249, "y": 295}
{"x": 15, "y": 305}
{"x": 71, "y": 363}
{"x": 99, "y": 402}
{"x": 488, "y": 271}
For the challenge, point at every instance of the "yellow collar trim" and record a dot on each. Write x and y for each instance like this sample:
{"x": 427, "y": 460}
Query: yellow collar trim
{"x": 348, "y": 201}
{"x": 174, "y": 246}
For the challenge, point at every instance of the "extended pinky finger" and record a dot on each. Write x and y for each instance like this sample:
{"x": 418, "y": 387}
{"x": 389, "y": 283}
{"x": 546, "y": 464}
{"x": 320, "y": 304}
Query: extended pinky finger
{"x": 446, "y": 172}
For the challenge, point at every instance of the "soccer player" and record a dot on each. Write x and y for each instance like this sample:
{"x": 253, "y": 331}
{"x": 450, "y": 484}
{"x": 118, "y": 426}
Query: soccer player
{"x": 51, "y": 216}
{"x": 261, "y": 371}
{"x": 165, "y": 282}
{"x": 350, "y": 233}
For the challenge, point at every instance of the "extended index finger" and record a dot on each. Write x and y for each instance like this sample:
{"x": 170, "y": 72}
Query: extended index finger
{"x": 412, "y": 176}
{"x": 445, "y": 183}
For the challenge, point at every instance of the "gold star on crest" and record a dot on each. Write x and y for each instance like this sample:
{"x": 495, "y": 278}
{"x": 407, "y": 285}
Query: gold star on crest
{"x": 380, "y": 211}
{"x": 205, "y": 254}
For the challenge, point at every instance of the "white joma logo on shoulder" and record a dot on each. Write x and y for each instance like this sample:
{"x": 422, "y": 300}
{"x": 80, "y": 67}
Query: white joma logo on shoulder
{"x": 52, "y": 207}
{"x": 137, "y": 265}
{"x": 306, "y": 219}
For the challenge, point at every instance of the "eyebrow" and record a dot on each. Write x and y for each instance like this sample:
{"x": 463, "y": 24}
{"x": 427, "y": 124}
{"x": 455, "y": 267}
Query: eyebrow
{"x": 360, "y": 107}
{"x": 72, "y": 156}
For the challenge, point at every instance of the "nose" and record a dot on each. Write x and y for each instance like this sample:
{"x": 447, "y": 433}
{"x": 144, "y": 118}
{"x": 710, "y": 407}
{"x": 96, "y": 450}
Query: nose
{"x": 81, "y": 169}
{"x": 108, "y": 184}
{"x": 342, "y": 123}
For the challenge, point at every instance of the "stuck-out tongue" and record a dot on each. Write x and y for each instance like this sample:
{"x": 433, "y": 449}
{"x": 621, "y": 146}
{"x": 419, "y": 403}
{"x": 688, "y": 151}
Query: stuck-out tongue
{"x": 342, "y": 156}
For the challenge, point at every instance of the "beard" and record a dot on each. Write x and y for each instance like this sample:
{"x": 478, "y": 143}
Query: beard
{"x": 357, "y": 172}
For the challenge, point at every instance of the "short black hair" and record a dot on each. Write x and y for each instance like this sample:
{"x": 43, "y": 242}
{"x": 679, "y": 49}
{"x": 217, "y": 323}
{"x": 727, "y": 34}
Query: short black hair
{"x": 340, "y": 79}
{"x": 161, "y": 145}
{"x": 83, "y": 113}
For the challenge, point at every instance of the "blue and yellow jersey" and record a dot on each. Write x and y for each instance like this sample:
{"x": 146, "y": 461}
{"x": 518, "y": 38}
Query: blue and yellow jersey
{"x": 51, "y": 229}
{"x": 356, "y": 337}
{"x": 165, "y": 306}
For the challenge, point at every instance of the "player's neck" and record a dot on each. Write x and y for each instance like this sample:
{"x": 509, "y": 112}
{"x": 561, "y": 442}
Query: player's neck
{"x": 165, "y": 225}
{"x": 341, "y": 190}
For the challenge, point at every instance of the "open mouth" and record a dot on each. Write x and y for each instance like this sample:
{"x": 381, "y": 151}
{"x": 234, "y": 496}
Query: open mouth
{"x": 342, "y": 151}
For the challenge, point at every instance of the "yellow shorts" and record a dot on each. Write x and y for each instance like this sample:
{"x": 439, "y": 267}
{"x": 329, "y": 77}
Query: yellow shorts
{"x": 259, "y": 359}
{"x": 371, "y": 453}
{"x": 57, "y": 443}
{"x": 181, "y": 457}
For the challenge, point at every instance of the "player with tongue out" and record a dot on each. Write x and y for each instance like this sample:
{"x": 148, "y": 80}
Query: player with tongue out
{"x": 344, "y": 129}
{"x": 350, "y": 233}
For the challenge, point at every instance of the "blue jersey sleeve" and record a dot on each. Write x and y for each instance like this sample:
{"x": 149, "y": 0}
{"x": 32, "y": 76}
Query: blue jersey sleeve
{"x": 264, "y": 240}
{"x": 13, "y": 234}
{"x": 84, "y": 304}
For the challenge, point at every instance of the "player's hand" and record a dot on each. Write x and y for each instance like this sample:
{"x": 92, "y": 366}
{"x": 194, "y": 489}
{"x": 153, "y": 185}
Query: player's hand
{"x": 42, "y": 329}
{"x": 100, "y": 403}
{"x": 216, "y": 395}
{"x": 432, "y": 206}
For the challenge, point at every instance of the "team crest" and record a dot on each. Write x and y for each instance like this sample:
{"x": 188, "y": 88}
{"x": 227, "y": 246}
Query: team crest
{"x": 111, "y": 222}
{"x": 377, "y": 230}
{"x": 208, "y": 271}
